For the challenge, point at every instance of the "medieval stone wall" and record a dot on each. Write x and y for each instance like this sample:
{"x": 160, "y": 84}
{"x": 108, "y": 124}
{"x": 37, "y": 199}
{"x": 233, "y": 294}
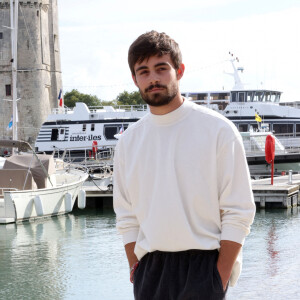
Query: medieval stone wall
{"x": 39, "y": 70}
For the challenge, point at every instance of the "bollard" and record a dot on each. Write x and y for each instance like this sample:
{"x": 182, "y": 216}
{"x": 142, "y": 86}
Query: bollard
{"x": 290, "y": 177}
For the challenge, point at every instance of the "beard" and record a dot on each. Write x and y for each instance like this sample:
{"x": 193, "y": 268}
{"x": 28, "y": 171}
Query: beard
{"x": 160, "y": 98}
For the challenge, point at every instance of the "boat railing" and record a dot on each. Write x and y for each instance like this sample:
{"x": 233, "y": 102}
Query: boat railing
{"x": 289, "y": 141}
{"x": 85, "y": 158}
{"x": 61, "y": 110}
{"x": 95, "y": 109}
{"x": 128, "y": 108}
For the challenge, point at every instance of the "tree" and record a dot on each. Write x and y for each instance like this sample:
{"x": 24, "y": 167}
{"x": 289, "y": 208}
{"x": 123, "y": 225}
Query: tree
{"x": 70, "y": 99}
{"x": 133, "y": 98}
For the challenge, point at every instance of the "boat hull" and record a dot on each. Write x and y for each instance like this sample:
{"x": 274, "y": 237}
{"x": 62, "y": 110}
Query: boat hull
{"x": 18, "y": 206}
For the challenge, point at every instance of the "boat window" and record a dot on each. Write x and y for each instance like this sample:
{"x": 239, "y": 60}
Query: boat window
{"x": 61, "y": 135}
{"x": 111, "y": 130}
{"x": 297, "y": 129}
{"x": 201, "y": 96}
{"x": 92, "y": 127}
{"x": 8, "y": 90}
{"x": 273, "y": 97}
{"x": 283, "y": 128}
{"x": 259, "y": 96}
{"x": 54, "y": 134}
{"x": 241, "y": 96}
{"x": 254, "y": 126}
{"x": 234, "y": 97}
{"x": 83, "y": 127}
{"x": 243, "y": 127}
{"x": 250, "y": 96}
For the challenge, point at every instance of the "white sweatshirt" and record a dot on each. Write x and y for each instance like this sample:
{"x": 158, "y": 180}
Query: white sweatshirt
{"x": 173, "y": 176}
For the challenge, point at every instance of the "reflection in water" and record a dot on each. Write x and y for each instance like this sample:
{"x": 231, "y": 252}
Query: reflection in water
{"x": 80, "y": 256}
{"x": 271, "y": 259}
{"x": 271, "y": 244}
{"x": 30, "y": 264}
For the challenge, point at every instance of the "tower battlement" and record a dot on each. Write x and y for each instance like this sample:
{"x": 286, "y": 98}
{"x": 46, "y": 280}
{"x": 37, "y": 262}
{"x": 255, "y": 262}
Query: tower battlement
{"x": 27, "y": 3}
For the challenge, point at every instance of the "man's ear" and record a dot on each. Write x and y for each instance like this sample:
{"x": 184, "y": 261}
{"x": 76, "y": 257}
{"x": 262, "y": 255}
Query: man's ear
{"x": 180, "y": 71}
{"x": 134, "y": 79}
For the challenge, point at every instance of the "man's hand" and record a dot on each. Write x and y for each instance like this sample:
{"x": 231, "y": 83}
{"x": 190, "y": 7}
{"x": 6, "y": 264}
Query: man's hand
{"x": 227, "y": 256}
{"x": 132, "y": 259}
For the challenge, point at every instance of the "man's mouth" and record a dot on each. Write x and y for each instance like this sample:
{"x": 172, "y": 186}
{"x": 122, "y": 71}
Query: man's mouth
{"x": 154, "y": 88}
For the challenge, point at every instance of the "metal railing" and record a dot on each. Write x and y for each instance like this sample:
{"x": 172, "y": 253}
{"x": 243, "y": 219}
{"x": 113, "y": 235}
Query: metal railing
{"x": 85, "y": 158}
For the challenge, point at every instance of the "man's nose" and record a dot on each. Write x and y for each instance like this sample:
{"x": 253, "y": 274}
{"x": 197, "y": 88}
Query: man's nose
{"x": 154, "y": 78}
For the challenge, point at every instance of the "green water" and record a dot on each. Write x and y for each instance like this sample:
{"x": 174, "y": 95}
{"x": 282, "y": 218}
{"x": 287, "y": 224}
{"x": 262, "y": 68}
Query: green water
{"x": 80, "y": 256}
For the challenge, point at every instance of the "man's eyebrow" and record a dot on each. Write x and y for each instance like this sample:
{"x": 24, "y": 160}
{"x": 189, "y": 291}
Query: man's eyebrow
{"x": 157, "y": 65}
{"x": 141, "y": 68}
{"x": 162, "y": 64}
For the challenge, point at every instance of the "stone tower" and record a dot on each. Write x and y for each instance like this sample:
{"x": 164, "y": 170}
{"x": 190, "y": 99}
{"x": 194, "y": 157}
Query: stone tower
{"x": 39, "y": 69}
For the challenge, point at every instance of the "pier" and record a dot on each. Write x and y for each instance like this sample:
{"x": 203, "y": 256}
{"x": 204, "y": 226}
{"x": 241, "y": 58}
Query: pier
{"x": 284, "y": 193}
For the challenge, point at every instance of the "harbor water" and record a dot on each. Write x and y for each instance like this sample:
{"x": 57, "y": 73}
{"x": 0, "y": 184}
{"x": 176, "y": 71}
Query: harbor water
{"x": 81, "y": 256}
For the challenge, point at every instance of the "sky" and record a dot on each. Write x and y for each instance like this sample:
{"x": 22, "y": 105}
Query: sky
{"x": 264, "y": 34}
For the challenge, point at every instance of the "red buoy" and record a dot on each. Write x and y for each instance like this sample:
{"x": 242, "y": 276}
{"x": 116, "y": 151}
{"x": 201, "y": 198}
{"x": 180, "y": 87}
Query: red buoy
{"x": 270, "y": 153}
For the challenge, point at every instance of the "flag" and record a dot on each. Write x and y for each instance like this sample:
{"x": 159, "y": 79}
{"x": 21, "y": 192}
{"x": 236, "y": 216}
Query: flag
{"x": 10, "y": 124}
{"x": 257, "y": 118}
{"x": 60, "y": 98}
{"x": 121, "y": 129}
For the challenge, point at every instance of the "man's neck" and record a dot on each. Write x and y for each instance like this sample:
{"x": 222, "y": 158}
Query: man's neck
{"x": 165, "y": 109}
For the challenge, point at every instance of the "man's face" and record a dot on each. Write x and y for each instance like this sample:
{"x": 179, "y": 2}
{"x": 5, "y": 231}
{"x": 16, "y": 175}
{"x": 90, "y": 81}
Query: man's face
{"x": 157, "y": 80}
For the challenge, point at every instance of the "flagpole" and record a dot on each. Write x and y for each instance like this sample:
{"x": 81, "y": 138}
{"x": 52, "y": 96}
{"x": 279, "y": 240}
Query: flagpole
{"x": 14, "y": 46}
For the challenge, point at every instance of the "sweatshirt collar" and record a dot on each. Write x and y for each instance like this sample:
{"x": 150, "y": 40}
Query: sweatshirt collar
{"x": 173, "y": 116}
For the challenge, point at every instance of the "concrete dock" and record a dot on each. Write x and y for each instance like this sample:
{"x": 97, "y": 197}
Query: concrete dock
{"x": 283, "y": 193}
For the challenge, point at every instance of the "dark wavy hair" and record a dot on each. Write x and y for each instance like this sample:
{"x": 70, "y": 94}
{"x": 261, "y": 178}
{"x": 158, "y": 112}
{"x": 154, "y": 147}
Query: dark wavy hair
{"x": 151, "y": 44}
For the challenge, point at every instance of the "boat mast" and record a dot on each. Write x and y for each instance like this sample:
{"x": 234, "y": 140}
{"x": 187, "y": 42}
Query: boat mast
{"x": 238, "y": 85}
{"x": 14, "y": 46}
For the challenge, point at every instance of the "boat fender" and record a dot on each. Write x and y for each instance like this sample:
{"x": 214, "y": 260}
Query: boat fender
{"x": 110, "y": 187}
{"x": 81, "y": 199}
{"x": 68, "y": 202}
{"x": 38, "y": 205}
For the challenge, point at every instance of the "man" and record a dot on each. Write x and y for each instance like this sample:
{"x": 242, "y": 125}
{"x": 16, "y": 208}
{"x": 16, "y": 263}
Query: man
{"x": 182, "y": 191}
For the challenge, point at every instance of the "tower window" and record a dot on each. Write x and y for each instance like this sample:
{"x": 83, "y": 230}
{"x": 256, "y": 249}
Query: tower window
{"x": 8, "y": 89}
{"x": 1, "y": 35}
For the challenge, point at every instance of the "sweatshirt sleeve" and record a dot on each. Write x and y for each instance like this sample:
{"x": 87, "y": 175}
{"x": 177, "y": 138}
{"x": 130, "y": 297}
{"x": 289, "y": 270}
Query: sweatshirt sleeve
{"x": 235, "y": 192}
{"x": 127, "y": 224}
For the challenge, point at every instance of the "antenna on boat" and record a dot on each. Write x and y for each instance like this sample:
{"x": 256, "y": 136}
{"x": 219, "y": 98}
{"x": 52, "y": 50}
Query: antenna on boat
{"x": 238, "y": 85}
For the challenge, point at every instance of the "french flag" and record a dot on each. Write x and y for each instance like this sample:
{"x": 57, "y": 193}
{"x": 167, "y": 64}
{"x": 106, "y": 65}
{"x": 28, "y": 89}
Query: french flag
{"x": 121, "y": 129}
{"x": 60, "y": 98}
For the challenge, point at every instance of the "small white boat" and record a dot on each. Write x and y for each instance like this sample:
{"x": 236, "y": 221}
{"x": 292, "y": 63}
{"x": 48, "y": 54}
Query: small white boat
{"x": 31, "y": 186}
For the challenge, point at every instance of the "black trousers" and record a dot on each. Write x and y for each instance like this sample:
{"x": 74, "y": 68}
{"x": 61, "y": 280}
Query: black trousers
{"x": 183, "y": 275}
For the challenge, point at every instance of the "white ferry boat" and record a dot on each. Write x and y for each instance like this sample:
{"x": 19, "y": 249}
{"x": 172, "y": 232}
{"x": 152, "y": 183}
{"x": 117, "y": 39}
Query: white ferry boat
{"x": 245, "y": 107}
{"x": 82, "y": 128}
